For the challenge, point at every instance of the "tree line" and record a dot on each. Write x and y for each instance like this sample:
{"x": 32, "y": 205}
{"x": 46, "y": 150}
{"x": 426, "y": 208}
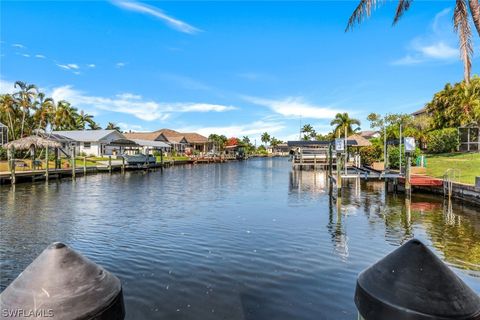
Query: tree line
{"x": 28, "y": 110}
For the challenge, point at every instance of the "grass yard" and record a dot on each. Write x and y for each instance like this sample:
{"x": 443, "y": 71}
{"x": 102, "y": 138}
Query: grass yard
{"x": 467, "y": 163}
{"x": 28, "y": 163}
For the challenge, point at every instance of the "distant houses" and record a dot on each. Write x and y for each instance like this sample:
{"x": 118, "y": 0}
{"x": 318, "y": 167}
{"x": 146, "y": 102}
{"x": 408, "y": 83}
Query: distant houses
{"x": 96, "y": 142}
{"x": 188, "y": 143}
{"x": 101, "y": 143}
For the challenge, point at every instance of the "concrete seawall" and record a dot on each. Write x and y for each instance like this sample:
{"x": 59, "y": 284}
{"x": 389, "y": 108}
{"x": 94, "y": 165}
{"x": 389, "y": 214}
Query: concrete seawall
{"x": 460, "y": 191}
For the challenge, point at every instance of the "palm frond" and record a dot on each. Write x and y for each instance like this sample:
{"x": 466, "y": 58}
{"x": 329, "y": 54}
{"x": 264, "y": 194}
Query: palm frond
{"x": 363, "y": 10}
{"x": 462, "y": 28}
{"x": 403, "y": 5}
{"x": 475, "y": 11}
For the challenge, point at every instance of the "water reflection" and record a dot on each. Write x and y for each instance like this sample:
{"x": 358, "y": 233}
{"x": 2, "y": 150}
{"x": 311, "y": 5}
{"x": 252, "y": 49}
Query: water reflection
{"x": 243, "y": 240}
{"x": 336, "y": 229}
{"x": 452, "y": 229}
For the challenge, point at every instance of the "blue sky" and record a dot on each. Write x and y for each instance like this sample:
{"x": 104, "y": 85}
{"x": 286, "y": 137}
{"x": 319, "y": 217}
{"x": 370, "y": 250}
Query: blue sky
{"x": 234, "y": 68}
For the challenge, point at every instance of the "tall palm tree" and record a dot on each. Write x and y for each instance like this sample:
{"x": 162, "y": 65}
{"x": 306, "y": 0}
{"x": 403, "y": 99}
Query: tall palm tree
{"x": 308, "y": 132}
{"x": 94, "y": 126}
{"x": 65, "y": 116}
{"x": 7, "y": 107}
{"x": 25, "y": 98}
{"x": 265, "y": 138}
{"x": 112, "y": 126}
{"x": 44, "y": 111}
{"x": 82, "y": 119}
{"x": 461, "y": 24}
{"x": 343, "y": 123}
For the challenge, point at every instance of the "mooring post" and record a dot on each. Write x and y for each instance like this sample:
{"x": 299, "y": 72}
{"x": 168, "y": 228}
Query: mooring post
{"x": 413, "y": 283}
{"x": 74, "y": 167}
{"x": 330, "y": 160}
{"x": 84, "y": 165}
{"x": 110, "y": 164}
{"x": 161, "y": 158}
{"x": 46, "y": 164}
{"x": 123, "y": 164}
{"x": 407, "y": 173}
{"x": 339, "y": 171}
{"x": 62, "y": 284}
{"x": 12, "y": 165}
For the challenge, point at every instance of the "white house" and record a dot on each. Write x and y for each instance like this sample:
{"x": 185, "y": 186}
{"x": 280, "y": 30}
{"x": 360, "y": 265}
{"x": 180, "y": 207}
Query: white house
{"x": 97, "y": 142}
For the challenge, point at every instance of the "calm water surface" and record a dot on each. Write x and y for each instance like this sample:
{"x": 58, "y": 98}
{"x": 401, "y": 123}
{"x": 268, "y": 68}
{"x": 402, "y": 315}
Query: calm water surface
{"x": 244, "y": 240}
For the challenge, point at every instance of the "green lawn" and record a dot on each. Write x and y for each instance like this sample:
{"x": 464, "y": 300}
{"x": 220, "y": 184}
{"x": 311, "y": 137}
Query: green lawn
{"x": 468, "y": 165}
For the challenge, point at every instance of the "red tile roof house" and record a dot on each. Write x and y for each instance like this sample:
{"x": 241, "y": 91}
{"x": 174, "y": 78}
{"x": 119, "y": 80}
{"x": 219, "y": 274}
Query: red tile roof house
{"x": 180, "y": 142}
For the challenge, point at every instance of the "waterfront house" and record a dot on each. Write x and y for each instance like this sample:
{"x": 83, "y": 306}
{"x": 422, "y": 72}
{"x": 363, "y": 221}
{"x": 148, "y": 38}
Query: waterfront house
{"x": 178, "y": 141}
{"x": 148, "y": 147}
{"x": 97, "y": 142}
{"x": 3, "y": 134}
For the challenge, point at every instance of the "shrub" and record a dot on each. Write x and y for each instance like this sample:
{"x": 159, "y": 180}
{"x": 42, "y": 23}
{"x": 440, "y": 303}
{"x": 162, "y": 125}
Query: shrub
{"x": 443, "y": 140}
{"x": 371, "y": 154}
{"x": 393, "y": 156}
{"x": 3, "y": 153}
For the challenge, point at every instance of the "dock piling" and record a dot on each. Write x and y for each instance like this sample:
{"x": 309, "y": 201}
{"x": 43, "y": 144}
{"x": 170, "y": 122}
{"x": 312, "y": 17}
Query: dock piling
{"x": 62, "y": 284}
{"x": 74, "y": 168}
{"x": 46, "y": 164}
{"x": 398, "y": 286}
{"x": 110, "y": 164}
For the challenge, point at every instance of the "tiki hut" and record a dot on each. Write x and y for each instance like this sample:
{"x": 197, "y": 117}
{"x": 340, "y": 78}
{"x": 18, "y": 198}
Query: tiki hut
{"x": 30, "y": 142}
{"x": 356, "y": 140}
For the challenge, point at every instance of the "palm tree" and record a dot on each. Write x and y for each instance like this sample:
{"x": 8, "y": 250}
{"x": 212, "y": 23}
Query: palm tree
{"x": 112, "y": 126}
{"x": 45, "y": 110}
{"x": 265, "y": 138}
{"x": 308, "y": 132}
{"x": 7, "y": 106}
{"x": 25, "y": 98}
{"x": 82, "y": 119}
{"x": 343, "y": 123}
{"x": 65, "y": 116}
{"x": 94, "y": 126}
{"x": 461, "y": 24}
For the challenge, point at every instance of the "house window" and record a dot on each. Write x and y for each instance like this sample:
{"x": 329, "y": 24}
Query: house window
{"x": 87, "y": 144}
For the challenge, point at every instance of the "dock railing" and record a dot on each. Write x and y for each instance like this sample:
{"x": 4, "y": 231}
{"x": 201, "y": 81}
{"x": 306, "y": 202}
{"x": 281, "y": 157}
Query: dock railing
{"x": 449, "y": 177}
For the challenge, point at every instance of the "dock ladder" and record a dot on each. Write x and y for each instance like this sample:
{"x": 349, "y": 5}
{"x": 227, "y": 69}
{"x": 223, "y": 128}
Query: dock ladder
{"x": 450, "y": 176}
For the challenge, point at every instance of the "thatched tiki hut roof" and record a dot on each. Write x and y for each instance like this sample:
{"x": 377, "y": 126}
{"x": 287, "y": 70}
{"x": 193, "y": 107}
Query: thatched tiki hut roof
{"x": 32, "y": 142}
{"x": 359, "y": 141}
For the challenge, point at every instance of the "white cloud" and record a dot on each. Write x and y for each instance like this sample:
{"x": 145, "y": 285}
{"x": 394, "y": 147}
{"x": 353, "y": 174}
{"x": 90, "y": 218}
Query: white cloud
{"x": 437, "y": 44}
{"x": 73, "y": 66}
{"x": 439, "y": 50}
{"x": 26, "y": 55}
{"x": 253, "y": 130}
{"x": 18, "y": 45}
{"x": 91, "y": 65}
{"x": 294, "y": 107}
{"x": 63, "y": 66}
{"x": 40, "y": 56}
{"x": 130, "y": 127}
{"x": 120, "y": 64}
{"x": 132, "y": 104}
{"x": 7, "y": 86}
{"x": 157, "y": 13}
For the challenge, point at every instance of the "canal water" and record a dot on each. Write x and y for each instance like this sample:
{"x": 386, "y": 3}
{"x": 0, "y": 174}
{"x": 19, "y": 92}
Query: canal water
{"x": 242, "y": 240}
